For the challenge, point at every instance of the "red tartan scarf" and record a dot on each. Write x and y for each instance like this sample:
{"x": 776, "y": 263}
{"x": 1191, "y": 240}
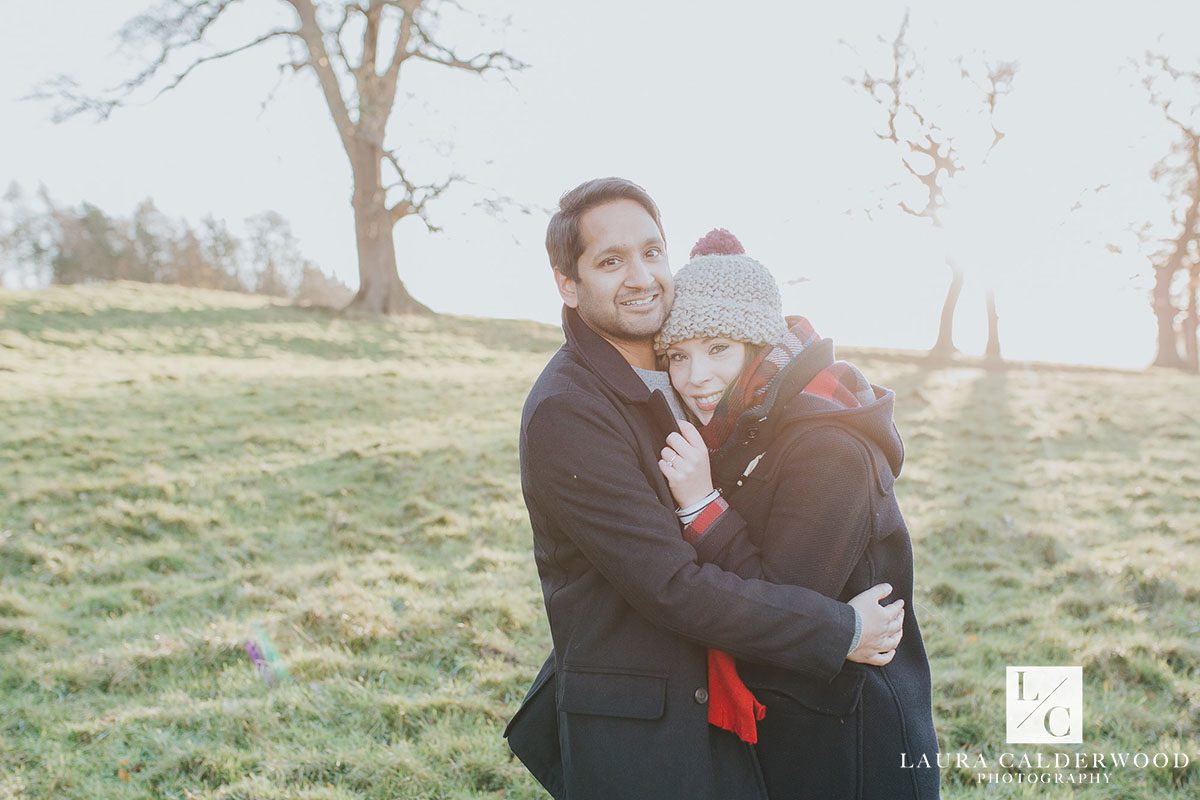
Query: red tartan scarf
{"x": 732, "y": 706}
{"x": 840, "y": 382}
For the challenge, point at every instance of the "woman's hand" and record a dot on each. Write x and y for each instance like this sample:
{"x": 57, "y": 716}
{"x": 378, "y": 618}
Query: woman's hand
{"x": 684, "y": 463}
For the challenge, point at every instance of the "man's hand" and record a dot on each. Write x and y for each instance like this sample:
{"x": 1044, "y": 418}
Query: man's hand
{"x": 684, "y": 464}
{"x": 882, "y": 626}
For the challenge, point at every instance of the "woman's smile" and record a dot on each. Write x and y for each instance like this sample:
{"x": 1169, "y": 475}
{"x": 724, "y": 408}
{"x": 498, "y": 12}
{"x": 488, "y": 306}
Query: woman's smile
{"x": 707, "y": 403}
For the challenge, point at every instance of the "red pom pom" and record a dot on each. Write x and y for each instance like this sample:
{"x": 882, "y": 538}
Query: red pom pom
{"x": 717, "y": 242}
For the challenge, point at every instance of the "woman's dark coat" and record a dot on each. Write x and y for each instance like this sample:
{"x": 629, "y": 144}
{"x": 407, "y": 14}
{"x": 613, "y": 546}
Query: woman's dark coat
{"x": 632, "y": 606}
{"x": 821, "y": 510}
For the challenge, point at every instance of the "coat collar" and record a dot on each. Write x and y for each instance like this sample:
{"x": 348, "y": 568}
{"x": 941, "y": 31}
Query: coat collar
{"x": 602, "y": 359}
{"x": 758, "y": 425}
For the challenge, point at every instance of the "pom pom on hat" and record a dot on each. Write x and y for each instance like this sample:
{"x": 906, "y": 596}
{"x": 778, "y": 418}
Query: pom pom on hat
{"x": 717, "y": 242}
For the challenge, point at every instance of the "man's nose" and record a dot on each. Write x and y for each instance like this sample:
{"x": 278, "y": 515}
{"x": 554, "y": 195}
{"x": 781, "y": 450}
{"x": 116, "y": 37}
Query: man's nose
{"x": 638, "y": 275}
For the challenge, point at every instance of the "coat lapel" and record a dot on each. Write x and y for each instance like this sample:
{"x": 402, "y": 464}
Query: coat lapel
{"x": 602, "y": 359}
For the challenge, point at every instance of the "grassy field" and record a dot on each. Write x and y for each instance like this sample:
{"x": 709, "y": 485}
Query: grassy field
{"x": 183, "y": 471}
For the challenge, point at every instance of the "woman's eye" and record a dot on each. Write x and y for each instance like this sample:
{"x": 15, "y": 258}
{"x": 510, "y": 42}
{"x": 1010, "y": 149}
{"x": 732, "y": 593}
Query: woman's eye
{"x": 718, "y": 348}
{"x": 676, "y": 358}
{"x": 611, "y": 261}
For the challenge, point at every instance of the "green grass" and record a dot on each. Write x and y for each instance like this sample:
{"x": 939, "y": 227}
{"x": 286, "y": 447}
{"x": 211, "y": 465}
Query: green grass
{"x": 183, "y": 470}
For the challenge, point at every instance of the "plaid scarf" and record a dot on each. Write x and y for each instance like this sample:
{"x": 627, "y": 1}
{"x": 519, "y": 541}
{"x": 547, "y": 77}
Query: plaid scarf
{"x": 840, "y": 382}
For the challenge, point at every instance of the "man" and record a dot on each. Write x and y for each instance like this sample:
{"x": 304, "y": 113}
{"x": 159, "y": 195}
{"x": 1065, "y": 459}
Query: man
{"x": 631, "y": 608}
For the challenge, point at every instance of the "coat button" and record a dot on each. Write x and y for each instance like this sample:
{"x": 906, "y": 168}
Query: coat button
{"x": 702, "y": 696}
{"x": 752, "y": 433}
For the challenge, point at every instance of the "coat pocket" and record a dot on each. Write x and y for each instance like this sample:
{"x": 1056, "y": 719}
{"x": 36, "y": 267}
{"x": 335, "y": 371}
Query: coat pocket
{"x": 612, "y": 694}
{"x": 837, "y": 698}
{"x": 532, "y": 733}
{"x": 811, "y": 739}
{"x": 806, "y": 754}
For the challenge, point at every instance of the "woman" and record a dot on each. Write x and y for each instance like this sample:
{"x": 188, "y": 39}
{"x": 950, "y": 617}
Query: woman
{"x": 806, "y": 450}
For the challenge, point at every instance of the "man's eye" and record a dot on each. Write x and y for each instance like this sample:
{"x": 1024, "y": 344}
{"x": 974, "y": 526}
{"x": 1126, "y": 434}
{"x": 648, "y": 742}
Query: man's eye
{"x": 611, "y": 261}
{"x": 654, "y": 252}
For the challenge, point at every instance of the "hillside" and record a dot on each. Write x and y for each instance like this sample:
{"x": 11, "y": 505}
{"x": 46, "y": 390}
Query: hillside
{"x": 187, "y": 470}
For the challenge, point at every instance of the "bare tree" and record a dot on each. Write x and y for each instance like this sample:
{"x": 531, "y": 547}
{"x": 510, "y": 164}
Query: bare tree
{"x": 26, "y": 240}
{"x": 358, "y": 73}
{"x": 153, "y": 239}
{"x": 1191, "y": 322}
{"x": 278, "y": 264}
{"x": 929, "y": 155}
{"x": 1179, "y": 171}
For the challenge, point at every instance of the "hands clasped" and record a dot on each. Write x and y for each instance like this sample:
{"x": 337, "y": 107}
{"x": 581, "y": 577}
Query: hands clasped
{"x": 684, "y": 463}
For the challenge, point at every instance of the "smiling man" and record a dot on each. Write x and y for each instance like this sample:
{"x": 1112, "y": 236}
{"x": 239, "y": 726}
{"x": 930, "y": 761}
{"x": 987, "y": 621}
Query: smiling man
{"x": 621, "y": 708}
{"x": 620, "y": 282}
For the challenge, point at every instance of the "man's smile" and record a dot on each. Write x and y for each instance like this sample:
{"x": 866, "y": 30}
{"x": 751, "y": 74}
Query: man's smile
{"x": 641, "y": 302}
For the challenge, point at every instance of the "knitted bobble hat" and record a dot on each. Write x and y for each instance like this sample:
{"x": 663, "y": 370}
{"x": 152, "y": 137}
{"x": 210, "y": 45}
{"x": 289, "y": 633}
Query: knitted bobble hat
{"x": 721, "y": 291}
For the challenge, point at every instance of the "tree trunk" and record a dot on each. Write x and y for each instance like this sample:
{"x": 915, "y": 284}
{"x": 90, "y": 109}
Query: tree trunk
{"x": 1191, "y": 324}
{"x": 945, "y": 341}
{"x": 992, "y": 352}
{"x": 1164, "y": 312}
{"x": 380, "y": 289}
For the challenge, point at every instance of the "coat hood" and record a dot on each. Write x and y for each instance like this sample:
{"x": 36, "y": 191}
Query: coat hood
{"x": 786, "y": 404}
{"x": 873, "y": 421}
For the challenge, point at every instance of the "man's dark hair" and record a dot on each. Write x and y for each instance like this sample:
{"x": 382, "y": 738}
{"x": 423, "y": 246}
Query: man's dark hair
{"x": 563, "y": 243}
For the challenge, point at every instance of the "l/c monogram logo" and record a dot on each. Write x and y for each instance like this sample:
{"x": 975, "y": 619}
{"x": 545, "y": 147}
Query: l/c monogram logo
{"x": 1045, "y": 705}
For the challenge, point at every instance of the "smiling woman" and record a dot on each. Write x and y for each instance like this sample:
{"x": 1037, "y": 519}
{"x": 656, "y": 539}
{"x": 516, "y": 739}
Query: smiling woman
{"x": 805, "y": 449}
{"x": 701, "y": 369}
{"x": 727, "y": 307}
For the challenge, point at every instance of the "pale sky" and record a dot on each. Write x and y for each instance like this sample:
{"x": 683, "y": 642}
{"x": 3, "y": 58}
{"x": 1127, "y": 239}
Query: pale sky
{"x": 739, "y": 119}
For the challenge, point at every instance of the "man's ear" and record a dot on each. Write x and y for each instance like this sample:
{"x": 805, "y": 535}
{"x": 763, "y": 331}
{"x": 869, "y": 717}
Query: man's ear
{"x": 568, "y": 290}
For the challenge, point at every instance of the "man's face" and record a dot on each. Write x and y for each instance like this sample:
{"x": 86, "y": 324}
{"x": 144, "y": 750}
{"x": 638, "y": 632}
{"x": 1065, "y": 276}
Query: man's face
{"x": 624, "y": 291}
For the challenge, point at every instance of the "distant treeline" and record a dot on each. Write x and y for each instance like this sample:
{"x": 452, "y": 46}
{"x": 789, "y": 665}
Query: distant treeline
{"x": 42, "y": 243}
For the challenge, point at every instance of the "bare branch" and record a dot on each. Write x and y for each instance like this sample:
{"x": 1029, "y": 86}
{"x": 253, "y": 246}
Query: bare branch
{"x": 1182, "y": 176}
{"x": 71, "y": 100}
{"x": 297, "y": 63}
{"x": 382, "y": 89}
{"x": 928, "y": 141}
{"x": 923, "y": 138}
{"x": 401, "y": 53}
{"x": 429, "y": 50}
{"x": 311, "y": 32}
{"x": 416, "y": 197}
{"x": 1162, "y": 63}
{"x": 370, "y": 43}
{"x": 1000, "y": 77}
{"x": 347, "y": 10}
{"x": 168, "y": 32}
{"x": 266, "y": 37}
{"x": 170, "y": 28}
{"x": 496, "y": 203}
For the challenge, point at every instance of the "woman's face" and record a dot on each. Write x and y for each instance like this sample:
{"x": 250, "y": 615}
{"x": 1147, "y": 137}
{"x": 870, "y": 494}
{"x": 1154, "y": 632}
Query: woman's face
{"x": 702, "y": 368}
